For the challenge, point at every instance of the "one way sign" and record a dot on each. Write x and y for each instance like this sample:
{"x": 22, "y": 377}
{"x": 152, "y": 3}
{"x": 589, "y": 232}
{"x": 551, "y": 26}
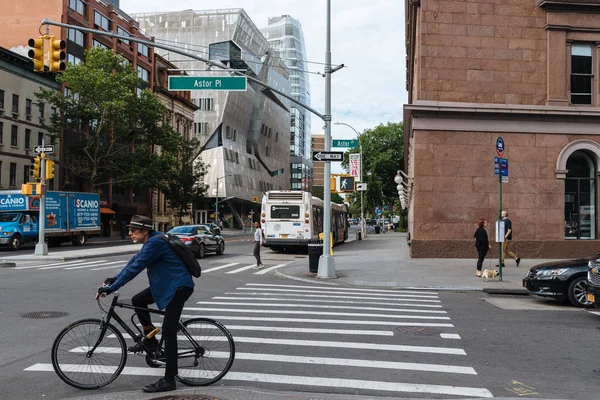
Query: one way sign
{"x": 328, "y": 155}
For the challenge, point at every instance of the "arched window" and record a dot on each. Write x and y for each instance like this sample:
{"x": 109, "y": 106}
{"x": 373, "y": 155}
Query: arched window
{"x": 580, "y": 197}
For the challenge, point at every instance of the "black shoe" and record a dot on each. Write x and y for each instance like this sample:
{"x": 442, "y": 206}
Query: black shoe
{"x": 163, "y": 385}
{"x": 151, "y": 343}
{"x": 518, "y": 260}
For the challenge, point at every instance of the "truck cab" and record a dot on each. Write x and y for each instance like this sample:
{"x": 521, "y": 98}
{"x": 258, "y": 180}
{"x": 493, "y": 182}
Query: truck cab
{"x": 17, "y": 227}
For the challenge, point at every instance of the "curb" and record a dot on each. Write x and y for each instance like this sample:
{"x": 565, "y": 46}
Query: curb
{"x": 68, "y": 258}
{"x": 7, "y": 264}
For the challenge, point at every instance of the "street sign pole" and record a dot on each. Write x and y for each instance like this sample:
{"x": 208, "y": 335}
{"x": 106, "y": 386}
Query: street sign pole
{"x": 500, "y": 153}
{"x": 41, "y": 249}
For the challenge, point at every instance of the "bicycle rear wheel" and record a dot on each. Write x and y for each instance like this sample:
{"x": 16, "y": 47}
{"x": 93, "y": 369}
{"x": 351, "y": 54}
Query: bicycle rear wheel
{"x": 70, "y": 359}
{"x": 207, "y": 359}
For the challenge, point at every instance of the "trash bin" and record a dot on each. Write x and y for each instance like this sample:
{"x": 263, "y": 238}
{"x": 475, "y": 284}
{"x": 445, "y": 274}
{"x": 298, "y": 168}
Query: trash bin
{"x": 315, "y": 251}
{"x": 377, "y": 229}
{"x": 359, "y": 235}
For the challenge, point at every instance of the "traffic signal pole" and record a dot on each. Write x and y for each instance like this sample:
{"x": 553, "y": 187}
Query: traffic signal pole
{"x": 41, "y": 248}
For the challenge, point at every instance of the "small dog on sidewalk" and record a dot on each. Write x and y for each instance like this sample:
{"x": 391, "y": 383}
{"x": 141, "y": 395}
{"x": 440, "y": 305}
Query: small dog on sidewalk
{"x": 489, "y": 273}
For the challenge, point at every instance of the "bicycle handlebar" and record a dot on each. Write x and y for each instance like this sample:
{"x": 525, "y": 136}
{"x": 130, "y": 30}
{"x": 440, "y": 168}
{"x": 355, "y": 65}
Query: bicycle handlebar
{"x": 99, "y": 300}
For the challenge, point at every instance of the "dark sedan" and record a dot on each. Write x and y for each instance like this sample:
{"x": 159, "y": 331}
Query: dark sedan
{"x": 199, "y": 239}
{"x": 213, "y": 228}
{"x": 562, "y": 280}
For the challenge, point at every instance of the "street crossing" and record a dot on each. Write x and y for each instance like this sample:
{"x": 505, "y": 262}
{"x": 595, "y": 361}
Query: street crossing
{"x": 336, "y": 339}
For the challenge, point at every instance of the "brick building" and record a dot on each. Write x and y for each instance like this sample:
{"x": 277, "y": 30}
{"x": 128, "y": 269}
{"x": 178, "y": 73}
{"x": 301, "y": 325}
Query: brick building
{"x": 318, "y": 144}
{"x": 523, "y": 70}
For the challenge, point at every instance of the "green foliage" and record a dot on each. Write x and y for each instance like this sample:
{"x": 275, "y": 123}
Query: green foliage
{"x": 383, "y": 155}
{"x": 317, "y": 191}
{"x": 109, "y": 132}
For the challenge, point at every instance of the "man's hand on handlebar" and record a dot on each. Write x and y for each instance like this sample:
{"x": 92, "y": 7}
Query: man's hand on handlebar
{"x": 103, "y": 290}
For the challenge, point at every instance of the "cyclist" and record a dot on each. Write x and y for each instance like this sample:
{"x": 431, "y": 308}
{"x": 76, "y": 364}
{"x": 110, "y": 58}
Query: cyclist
{"x": 171, "y": 285}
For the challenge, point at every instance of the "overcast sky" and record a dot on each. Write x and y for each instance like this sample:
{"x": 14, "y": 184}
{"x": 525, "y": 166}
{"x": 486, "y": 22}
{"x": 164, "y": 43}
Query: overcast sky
{"x": 366, "y": 36}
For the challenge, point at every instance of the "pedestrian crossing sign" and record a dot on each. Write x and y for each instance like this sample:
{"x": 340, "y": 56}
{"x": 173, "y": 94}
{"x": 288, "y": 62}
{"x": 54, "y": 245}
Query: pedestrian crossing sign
{"x": 347, "y": 184}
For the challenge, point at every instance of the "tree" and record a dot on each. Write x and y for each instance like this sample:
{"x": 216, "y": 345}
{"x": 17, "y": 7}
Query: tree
{"x": 185, "y": 186}
{"x": 110, "y": 130}
{"x": 383, "y": 156}
{"x": 317, "y": 191}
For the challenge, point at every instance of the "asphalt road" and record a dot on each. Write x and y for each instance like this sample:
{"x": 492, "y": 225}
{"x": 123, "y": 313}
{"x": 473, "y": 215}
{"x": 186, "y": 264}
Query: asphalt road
{"x": 352, "y": 341}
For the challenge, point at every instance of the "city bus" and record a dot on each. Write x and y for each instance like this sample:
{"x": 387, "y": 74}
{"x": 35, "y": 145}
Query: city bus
{"x": 291, "y": 218}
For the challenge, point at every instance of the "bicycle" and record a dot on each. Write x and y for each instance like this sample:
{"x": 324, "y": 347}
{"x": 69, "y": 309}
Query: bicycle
{"x": 91, "y": 353}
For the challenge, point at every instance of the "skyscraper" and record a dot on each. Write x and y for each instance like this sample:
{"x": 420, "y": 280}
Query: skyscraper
{"x": 285, "y": 36}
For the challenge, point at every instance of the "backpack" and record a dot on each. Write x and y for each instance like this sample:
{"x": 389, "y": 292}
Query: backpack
{"x": 184, "y": 253}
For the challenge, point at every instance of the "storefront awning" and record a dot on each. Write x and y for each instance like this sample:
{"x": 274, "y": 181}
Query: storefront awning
{"x": 106, "y": 210}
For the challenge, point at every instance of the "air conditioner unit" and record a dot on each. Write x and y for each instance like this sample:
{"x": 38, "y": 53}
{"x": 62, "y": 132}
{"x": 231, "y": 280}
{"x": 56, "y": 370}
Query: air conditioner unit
{"x": 28, "y": 117}
{"x": 41, "y": 121}
{"x": 27, "y": 151}
{"x": 15, "y": 115}
{"x": 1, "y": 113}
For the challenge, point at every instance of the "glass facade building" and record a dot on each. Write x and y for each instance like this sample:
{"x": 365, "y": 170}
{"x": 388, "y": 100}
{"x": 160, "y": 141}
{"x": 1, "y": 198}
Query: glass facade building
{"x": 244, "y": 134}
{"x": 286, "y": 37}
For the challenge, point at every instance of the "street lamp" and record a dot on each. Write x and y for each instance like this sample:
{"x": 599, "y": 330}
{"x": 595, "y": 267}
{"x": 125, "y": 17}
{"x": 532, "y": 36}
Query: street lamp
{"x": 217, "y": 201}
{"x": 362, "y": 213}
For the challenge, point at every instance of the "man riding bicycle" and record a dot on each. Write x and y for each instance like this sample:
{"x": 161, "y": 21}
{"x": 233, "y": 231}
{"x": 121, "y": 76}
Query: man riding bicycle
{"x": 171, "y": 285}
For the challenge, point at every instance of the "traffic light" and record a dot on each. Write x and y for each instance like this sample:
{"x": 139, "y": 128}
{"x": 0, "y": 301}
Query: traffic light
{"x": 37, "y": 53}
{"x": 35, "y": 167}
{"x": 332, "y": 185}
{"x": 49, "y": 169}
{"x": 26, "y": 189}
{"x": 347, "y": 184}
{"x": 57, "y": 54}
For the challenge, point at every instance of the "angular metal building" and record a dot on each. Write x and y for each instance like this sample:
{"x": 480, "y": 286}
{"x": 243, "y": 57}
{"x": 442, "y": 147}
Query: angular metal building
{"x": 245, "y": 135}
{"x": 285, "y": 36}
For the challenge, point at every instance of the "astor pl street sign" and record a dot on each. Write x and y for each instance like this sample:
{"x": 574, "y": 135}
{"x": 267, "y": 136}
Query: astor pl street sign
{"x": 350, "y": 143}
{"x": 49, "y": 148}
{"x": 327, "y": 155}
{"x": 230, "y": 83}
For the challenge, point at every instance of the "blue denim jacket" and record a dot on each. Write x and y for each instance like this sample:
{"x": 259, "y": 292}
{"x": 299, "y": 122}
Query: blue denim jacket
{"x": 166, "y": 271}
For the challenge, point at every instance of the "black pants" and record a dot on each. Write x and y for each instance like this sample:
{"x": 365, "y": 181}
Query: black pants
{"x": 481, "y": 255}
{"x": 257, "y": 253}
{"x": 170, "y": 322}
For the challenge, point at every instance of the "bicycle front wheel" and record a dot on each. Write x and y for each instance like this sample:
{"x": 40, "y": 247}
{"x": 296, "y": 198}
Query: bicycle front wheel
{"x": 79, "y": 369}
{"x": 207, "y": 354}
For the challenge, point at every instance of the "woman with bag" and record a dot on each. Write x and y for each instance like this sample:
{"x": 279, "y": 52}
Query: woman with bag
{"x": 481, "y": 243}
{"x": 259, "y": 240}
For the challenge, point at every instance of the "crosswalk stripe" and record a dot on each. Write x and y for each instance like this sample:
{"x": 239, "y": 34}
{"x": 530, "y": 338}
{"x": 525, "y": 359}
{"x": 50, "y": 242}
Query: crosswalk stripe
{"x": 235, "y": 271}
{"x": 307, "y": 381}
{"x": 303, "y": 300}
{"x": 89, "y": 266}
{"x": 204, "y": 271}
{"x": 85, "y": 263}
{"x": 342, "y": 289}
{"x": 449, "y": 336}
{"x": 225, "y": 303}
{"x": 109, "y": 267}
{"x": 48, "y": 265}
{"x": 265, "y": 270}
{"x": 337, "y": 296}
{"x": 320, "y": 321}
{"x": 333, "y": 292}
{"x": 338, "y": 314}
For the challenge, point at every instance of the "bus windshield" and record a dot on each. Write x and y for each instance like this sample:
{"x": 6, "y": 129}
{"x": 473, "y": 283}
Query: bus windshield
{"x": 285, "y": 212}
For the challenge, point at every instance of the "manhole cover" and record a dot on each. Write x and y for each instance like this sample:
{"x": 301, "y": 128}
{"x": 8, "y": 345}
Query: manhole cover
{"x": 44, "y": 314}
{"x": 188, "y": 397}
{"x": 413, "y": 330}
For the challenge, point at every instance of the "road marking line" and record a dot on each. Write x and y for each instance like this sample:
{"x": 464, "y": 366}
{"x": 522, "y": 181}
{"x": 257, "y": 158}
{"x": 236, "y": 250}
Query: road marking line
{"x": 225, "y": 303}
{"x": 327, "y": 301}
{"x": 449, "y": 336}
{"x": 235, "y": 271}
{"x": 339, "y": 314}
{"x": 112, "y": 266}
{"x": 342, "y": 288}
{"x": 297, "y": 380}
{"x": 218, "y": 268}
{"x": 85, "y": 263}
{"x": 48, "y": 265}
{"x": 333, "y": 292}
{"x": 320, "y": 321}
{"x": 332, "y": 297}
{"x": 88, "y": 266}
{"x": 265, "y": 270}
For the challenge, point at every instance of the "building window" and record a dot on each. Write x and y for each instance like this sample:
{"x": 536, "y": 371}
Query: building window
{"x": 73, "y": 60}
{"x": 76, "y": 37}
{"x": 1, "y": 99}
{"x": 143, "y": 49}
{"x": 580, "y": 197}
{"x": 96, "y": 43}
{"x": 27, "y": 138}
{"x": 1, "y": 132}
{"x": 41, "y": 110}
{"x": 14, "y": 136}
{"x": 26, "y": 173}
{"x": 582, "y": 77}
{"x": 15, "y": 104}
{"x": 123, "y": 32}
{"x": 27, "y": 106}
{"x": 143, "y": 74}
{"x": 78, "y": 6}
{"x": 101, "y": 21}
{"x": 13, "y": 175}
{"x": 40, "y": 138}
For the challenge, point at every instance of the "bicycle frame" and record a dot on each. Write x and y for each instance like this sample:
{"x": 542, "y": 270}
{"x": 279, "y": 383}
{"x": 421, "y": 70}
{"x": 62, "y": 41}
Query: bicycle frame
{"x": 112, "y": 314}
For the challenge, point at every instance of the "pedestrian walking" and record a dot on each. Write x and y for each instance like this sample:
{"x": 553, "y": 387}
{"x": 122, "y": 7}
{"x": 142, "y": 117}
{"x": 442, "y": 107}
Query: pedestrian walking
{"x": 259, "y": 240}
{"x": 482, "y": 243}
{"x": 508, "y": 239}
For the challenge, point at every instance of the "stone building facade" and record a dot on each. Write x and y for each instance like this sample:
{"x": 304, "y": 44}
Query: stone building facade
{"x": 526, "y": 71}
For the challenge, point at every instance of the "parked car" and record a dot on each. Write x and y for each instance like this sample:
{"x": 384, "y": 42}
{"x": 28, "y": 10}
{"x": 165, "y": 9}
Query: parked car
{"x": 213, "y": 228}
{"x": 565, "y": 280}
{"x": 199, "y": 239}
